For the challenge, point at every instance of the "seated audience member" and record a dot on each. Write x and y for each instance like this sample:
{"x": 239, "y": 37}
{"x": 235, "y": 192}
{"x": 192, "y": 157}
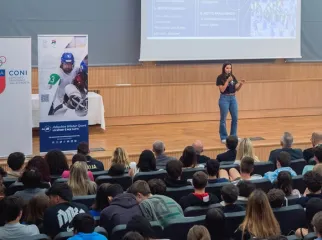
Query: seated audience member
{"x": 216, "y": 175}
{"x": 259, "y": 216}
{"x": 161, "y": 158}
{"x": 198, "y": 232}
{"x": 198, "y": 146}
{"x": 59, "y": 216}
{"x": 35, "y": 211}
{"x": 79, "y": 182}
{"x": 40, "y": 163}
{"x": 142, "y": 226}
{"x": 276, "y": 198}
{"x": 317, "y": 158}
{"x": 15, "y": 162}
{"x": 286, "y": 144}
{"x": 174, "y": 172}
{"x": 189, "y": 158}
{"x": 317, "y": 224}
{"x": 318, "y": 168}
{"x": 313, "y": 182}
{"x": 105, "y": 193}
{"x": 155, "y": 207}
{"x": 285, "y": 183}
{"x": 78, "y": 158}
{"x": 123, "y": 206}
{"x": 133, "y": 236}
{"x": 246, "y": 169}
{"x": 216, "y": 224}
{"x": 230, "y": 155}
{"x": 116, "y": 169}
{"x": 31, "y": 181}
{"x": 93, "y": 164}
{"x": 245, "y": 188}
{"x": 313, "y": 206}
{"x": 84, "y": 225}
{"x": 12, "y": 212}
{"x": 57, "y": 162}
{"x": 200, "y": 197}
{"x": 120, "y": 157}
{"x": 245, "y": 149}
{"x": 3, "y": 173}
{"x": 147, "y": 163}
{"x": 229, "y": 195}
{"x": 316, "y": 140}
{"x": 157, "y": 186}
{"x": 282, "y": 164}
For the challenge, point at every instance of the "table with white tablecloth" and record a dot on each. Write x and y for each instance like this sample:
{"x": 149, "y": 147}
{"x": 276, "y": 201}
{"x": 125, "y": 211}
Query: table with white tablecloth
{"x": 95, "y": 110}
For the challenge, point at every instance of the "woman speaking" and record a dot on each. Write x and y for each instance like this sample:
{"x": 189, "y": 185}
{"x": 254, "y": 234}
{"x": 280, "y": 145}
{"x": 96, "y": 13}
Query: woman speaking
{"x": 228, "y": 85}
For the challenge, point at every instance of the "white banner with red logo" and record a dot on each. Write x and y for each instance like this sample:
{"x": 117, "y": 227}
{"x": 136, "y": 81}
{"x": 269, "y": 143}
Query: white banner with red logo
{"x": 15, "y": 96}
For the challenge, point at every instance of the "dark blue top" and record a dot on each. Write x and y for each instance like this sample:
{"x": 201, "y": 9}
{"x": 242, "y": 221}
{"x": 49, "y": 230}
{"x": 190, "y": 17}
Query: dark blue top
{"x": 231, "y": 88}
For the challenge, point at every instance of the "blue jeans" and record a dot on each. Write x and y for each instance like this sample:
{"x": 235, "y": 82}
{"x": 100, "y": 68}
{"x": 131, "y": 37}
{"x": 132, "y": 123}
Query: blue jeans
{"x": 228, "y": 103}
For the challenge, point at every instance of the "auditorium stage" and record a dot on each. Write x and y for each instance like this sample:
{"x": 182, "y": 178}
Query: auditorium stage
{"x": 176, "y": 136}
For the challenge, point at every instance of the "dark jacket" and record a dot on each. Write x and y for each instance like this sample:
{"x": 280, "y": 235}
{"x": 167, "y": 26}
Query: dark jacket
{"x": 175, "y": 183}
{"x": 308, "y": 153}
{"x": 202, "y": 159}
{"x": 295, "y": 153}
{"x": 228, "y": 156}
{"x": 162, "y": 161}
{"x": 121, "y": 210}
{"x": 233, "y": 208}
{"x": 93, "y": 164}
{"x": 303, "y": 200}
{"x": 193, "y": 200}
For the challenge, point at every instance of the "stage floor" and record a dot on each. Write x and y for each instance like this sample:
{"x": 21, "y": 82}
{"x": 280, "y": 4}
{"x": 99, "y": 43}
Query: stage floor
{"x": 176, "y": 136}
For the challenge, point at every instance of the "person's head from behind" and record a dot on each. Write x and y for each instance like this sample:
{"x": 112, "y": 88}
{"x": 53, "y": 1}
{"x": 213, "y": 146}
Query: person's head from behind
{"x": 79, "y": 158}
{"x": 245, "y": 188}
{"x": 83, "y": 148}
{"x": 15, "y": 161}
{"x": 147, "y": 161}
{"x": 36, "y": 208}
{"x": 83, "y": 223}
{"x": 174, "y": 169}
{"x": 116, "y": 169}
{"x": 229, "y": 193}
{"x": 57, "y": 162}
{"x": 158, "y": 147}
{"x": 318, "y": 154}
{"x": 78, "y": 179}
{"x": 313, "y": 206}
{"x": 212, "y": 167}
{"x": 259, "y": 215}
{"x": 105, "y": 194}
{"x": 189, "y": 157}
{"x": 141, "y": 225}
{"x": 287, "y": 140}
{"x": 317, "y": 224}
{"x": 40, "y": 163}
{"x": 285, "y": 183}
{"x": 157, "y": 186}
{"x": 31, "y": 178}
{"x": 313, "y": 181}
{"x": 318, "y": 168}
{"x": 12, "y": 209}
{"x": 120, "y": 156}
{"x": 245, "y": 149}
{"x": 215, "y": 223}
{"x": 59, "y": 193}
{"x": 283, "y": 160}
{"x": 198, "y": 146}
{"x": 133, "y": 236}
{"x": 227, "y": 68}
{"x": 141, "y": 190}
{"x": 276, "y": 198}
{"x": 198, "y": 232}
{"x": 247, "y": 165}
{"x": 231, "y": 142}
{"x": 199, "y": 181}
{"x": 316, "y": 138}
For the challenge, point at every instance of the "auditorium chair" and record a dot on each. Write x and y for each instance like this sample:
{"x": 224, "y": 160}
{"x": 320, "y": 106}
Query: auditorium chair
{"x": 290, "y": 218}
{"x": 37, "y": 237}
{"x": 99, "y": 173}
{"x": 263, "y": 167}
{"x": 87, "y": 200}
{"x": 293, "y": 237}
{"x": 120, "y": 230}
{"x": 263, "y": 184}
{"x": 63, "y": 235}
{"x": 7, "y": 181}
{"x": 290, "y": 200}
{"x": 177, "y": 193}
{"x": 187, "y": 173}
{"x": 124, "y": 180}
{"x": 18, "y": 186}
{"x": 298, "y": 183}
{"x": 199, "y": 210}
{"x": 61, "y": 180}
{"x": 101, "y": 230}
{"x": 177, "y": 229}
{"x": 233, "y": 220}
{"x": 215, "y": 188}
{"x": 298, "y": 165}
{"x": 53, "y": 178}
{"x": 229, "y": 166}
{"x": 146, "y": 176}
{"x": 310, "y": 236}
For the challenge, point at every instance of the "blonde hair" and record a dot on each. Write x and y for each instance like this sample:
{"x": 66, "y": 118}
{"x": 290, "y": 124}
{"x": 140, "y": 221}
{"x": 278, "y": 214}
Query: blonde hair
{"x": 120, "y": 156}
{"x": 259, "y": 216}
{"x": 198, "y": 232}
{"x": 245, "y": 149}
{"x": 79, "y": 181}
